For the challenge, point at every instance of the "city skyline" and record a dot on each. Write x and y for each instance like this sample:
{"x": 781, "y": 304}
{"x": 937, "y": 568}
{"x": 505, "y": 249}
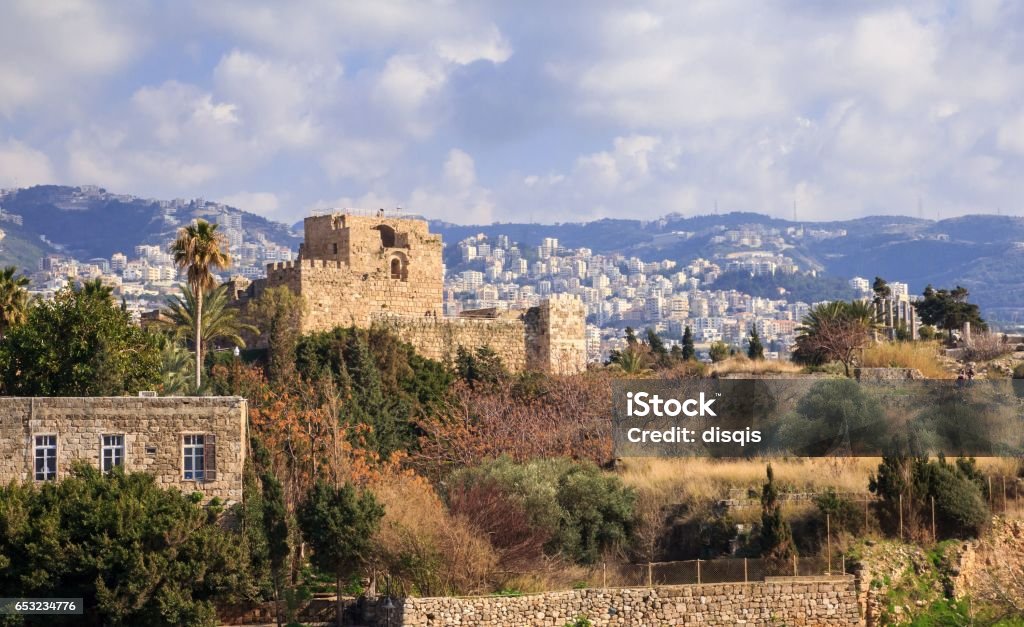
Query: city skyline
{"x": 478, "y": 113}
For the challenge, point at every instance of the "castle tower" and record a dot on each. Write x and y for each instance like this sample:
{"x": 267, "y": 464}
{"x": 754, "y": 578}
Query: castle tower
{"x": 353, "y": 268}
{"x": 556, "y": 336}
{"x": 361, "y": 270}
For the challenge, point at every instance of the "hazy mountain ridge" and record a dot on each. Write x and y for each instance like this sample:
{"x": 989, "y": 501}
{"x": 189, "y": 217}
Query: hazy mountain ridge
{"x": 984, "y": 253}
{"x": 100, "y": 224}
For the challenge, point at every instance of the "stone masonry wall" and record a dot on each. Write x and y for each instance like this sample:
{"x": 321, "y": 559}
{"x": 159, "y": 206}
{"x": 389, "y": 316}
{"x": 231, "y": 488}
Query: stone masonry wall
{"x": 359, "y": 270}
{"x": 797, "y": 601}
{"x": 556, "y": 336}
{"x": 440, "y": 338}
{"x": 153, "y": 430}
{"x": 336, "y": 296}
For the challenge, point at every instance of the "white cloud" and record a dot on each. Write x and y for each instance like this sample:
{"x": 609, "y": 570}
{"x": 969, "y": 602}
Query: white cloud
{"x": 457, "y": 197}
{"x": 360, "y": 160}
{"x": 278, "y": 101}
{"x": 265, "y": 203}
{"x": 485, "y": 45}
{"x": 22, "y": 166}
{"x": 560, "y": 114}
{"x": 630, "y": 164}
{"x": 56, "y": 49}
{"x": 459, "y": 169}
{"x": 1010, "y": 136}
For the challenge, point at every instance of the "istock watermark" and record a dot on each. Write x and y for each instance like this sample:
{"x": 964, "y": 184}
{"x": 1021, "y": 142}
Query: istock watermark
{"x": 816, "y": 417}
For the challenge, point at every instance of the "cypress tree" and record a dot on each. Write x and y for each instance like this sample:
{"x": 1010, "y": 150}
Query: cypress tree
{"x": 777, "y": 546}
{"x": 755, "y": 350}
{"x": 689, "y": 352}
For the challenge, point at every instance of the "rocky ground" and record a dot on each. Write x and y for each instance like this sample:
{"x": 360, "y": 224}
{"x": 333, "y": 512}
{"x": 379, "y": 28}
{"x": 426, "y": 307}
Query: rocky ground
{"x": 976, "y": 581}
{"x": 992, "y": 571}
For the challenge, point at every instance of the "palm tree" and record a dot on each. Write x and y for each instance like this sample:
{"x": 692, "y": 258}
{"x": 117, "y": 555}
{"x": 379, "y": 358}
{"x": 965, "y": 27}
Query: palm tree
{"x": 13, "y": 299}
{"x": 197, "y": 250}
{"x": 97, "y": 289}
{"x": 632, "y": 361}
{"x": 834, "y": 331}
{"x": 220, "y": 321}
{"x": 175, "y": 363}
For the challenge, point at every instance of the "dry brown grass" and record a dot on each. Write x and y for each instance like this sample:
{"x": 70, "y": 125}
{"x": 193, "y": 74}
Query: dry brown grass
{"x": 986, "y": 347}
{"x": 698, "y": 479}
{"x": 425, "y": 550}
{"x": 742, "y": 365}
{"x": 920, "y": 355}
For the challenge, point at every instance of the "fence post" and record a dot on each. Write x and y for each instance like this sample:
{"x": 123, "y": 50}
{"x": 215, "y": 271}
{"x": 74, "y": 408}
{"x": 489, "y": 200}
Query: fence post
{"x": 604, "y": 575}
{"x": 990, "y": 499}
{"x": 796, "y": 571}
{"x": 828, "y": 539}
{"x": 1004, "y": 494}
{"x": 934, "y": 537}
{"x": 844, "y": 563}
{"x": 745, "y": 570}
{"x": 901, "y": 517}
{"x": 650, "y": 578}
{"x": 698, "y": 570}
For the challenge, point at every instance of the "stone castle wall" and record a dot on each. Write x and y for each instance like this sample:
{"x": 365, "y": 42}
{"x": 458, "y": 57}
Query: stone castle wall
{"x": 337, "y": 296}
{"x": 440, "y": 338}
{"x": 556, "y": 336}
{"x": 152, "y": 429}
{"x": 360, "y": 270}
{"x": 800, "y": 601}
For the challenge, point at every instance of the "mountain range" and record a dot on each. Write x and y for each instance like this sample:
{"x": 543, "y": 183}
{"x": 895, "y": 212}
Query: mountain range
{"x": 984, "y": 253}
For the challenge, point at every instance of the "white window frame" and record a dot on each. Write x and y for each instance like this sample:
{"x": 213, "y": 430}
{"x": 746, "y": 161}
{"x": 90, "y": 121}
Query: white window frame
{"x": 116, "y": 449}
{"x": 48, "y": 448}
{"x": 193, "y": 452}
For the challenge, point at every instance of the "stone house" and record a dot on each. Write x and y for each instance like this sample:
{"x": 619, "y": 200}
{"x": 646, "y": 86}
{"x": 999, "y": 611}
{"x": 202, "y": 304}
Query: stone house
{"x": 196, "y": 444}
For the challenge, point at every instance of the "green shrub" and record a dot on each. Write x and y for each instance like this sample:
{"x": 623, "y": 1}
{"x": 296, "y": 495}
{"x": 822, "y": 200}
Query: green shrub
{"x": 583, "y": 510}
{"x": 387, "y": 385}
{"x": 961, "y": 509}
{"x": 844, "y": 514}
{"x": 596, "y": 513}
{"x": 138, "y": 554}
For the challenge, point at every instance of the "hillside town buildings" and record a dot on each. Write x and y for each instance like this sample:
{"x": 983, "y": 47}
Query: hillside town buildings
{"x": 507, "y": 278}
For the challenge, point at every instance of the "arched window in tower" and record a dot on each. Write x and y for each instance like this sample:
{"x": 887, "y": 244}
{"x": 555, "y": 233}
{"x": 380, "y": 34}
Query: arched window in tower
{"x": 387, "y": 236}
{"x": 399, "y": 266}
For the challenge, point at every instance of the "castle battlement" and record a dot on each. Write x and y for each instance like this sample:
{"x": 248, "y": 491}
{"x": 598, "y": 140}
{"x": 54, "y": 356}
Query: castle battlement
{"x": 364, "y": 269}
{"x": 306, "y": 263}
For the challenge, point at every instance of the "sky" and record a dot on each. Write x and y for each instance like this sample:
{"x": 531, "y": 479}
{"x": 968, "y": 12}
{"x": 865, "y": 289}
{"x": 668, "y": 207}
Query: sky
{"x": 481, "y": 111}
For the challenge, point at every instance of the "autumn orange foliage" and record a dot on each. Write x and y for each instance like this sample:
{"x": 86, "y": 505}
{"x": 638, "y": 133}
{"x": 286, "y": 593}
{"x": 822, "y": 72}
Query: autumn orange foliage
{"x": 298, "y": 424}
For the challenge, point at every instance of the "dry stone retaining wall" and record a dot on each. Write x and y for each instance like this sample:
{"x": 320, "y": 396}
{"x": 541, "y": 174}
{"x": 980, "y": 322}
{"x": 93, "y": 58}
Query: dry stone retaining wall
{"x": 796, "y": 601}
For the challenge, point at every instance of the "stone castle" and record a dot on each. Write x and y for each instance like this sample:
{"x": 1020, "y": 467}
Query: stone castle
{"x": 357, "y": 270}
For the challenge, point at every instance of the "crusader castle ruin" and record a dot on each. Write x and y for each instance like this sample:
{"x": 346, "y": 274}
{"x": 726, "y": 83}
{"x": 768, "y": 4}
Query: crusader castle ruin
{"x": 356, "y": 270}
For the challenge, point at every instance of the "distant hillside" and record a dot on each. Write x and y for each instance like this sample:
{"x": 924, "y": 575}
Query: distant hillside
{"x": 95, "y": 223}
{"x": 984, "y": 253}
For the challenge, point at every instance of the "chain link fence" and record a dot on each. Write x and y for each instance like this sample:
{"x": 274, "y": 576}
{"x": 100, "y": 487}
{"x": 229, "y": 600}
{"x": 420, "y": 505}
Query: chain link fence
{"x": 724, "y": 570}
